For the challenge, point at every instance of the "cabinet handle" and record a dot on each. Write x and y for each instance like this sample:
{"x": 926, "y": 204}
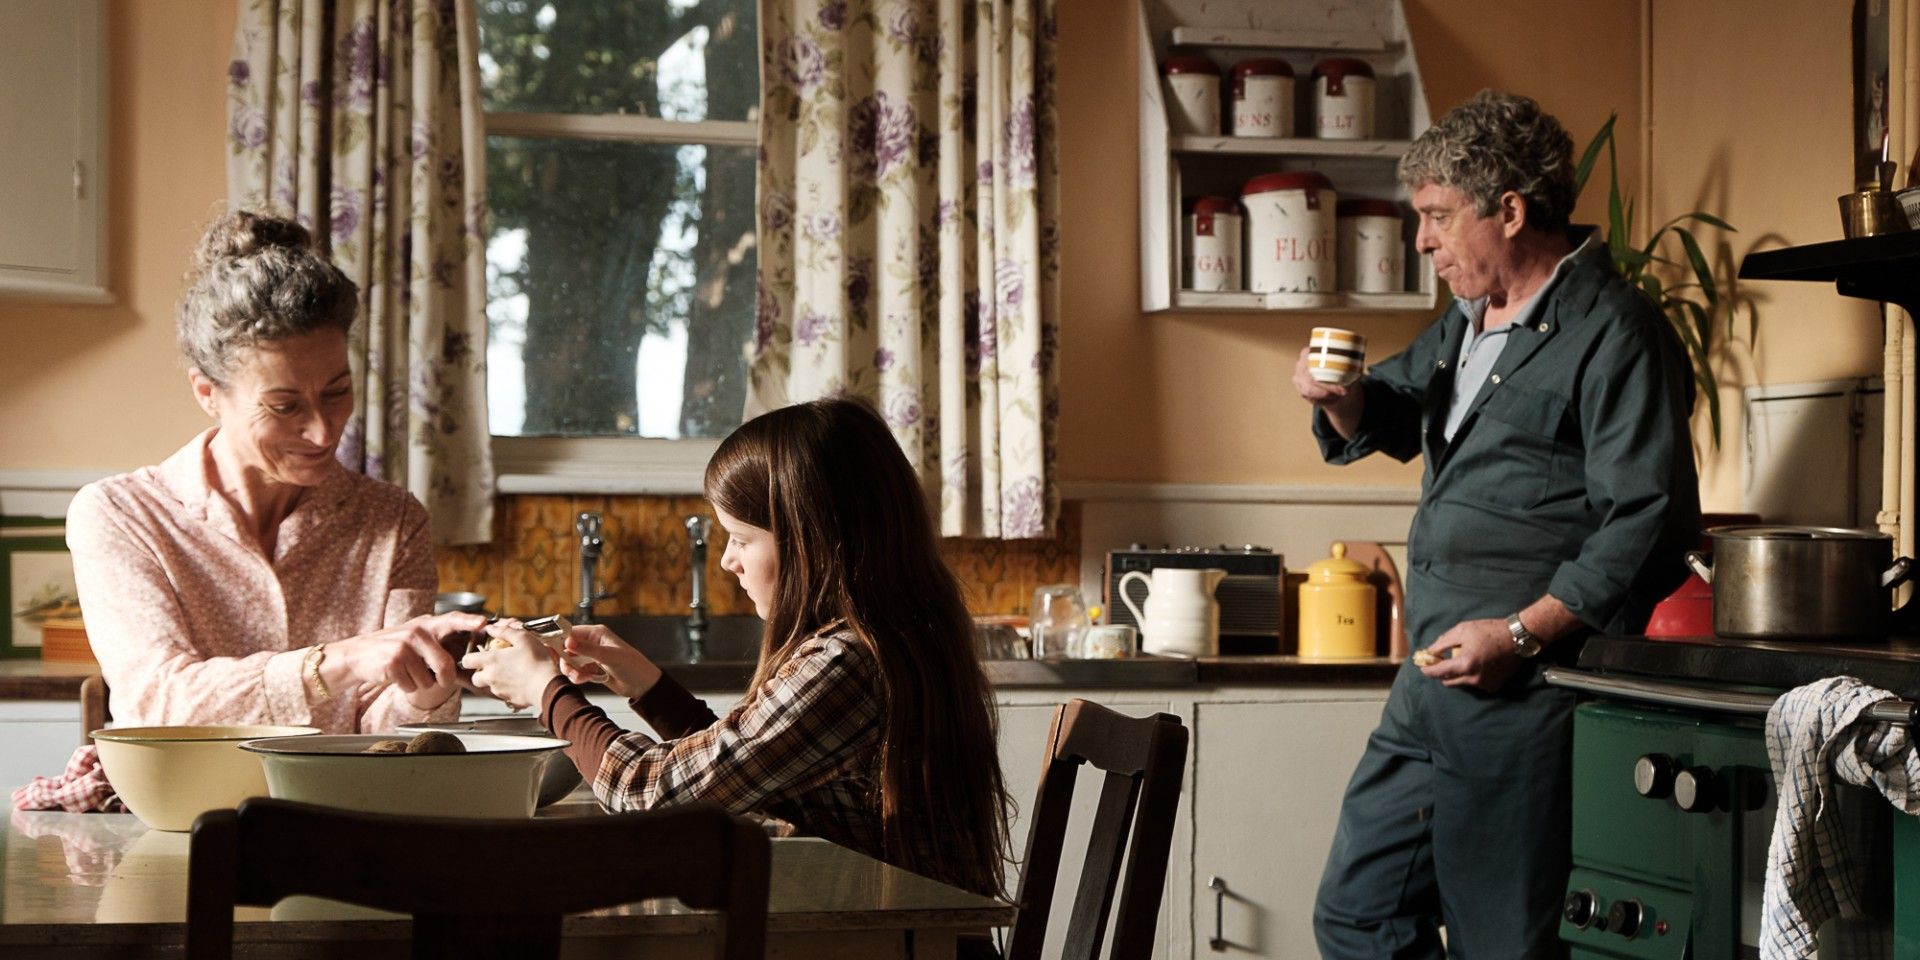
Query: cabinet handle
{"x": 1219, "y": 888}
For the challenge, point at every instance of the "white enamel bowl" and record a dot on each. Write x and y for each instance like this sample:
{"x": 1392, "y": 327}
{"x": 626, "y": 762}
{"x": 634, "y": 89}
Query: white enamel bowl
{"x": 498, "y": 776}
{"x": 557, "y": 780}
{"x": 169, "y": 775}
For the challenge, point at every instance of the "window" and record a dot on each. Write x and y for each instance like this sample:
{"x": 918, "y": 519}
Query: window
{"x": 621, "y": 141}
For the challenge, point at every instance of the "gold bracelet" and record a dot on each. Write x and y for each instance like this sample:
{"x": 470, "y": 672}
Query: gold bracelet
{"x": 314, "y": 659}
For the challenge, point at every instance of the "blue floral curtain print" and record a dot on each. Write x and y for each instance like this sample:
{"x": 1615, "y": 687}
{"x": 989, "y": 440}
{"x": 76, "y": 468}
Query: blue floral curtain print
{"x": 361, "y": 118}
{"x": 909, "y": 239}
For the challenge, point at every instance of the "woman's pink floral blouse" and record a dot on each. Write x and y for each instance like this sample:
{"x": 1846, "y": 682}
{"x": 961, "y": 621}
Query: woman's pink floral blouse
{"x": 193, "y": 624}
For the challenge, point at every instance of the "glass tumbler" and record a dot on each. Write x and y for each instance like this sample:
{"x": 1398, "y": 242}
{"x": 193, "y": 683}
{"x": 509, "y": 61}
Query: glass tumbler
{"x": 1058, "y": 620}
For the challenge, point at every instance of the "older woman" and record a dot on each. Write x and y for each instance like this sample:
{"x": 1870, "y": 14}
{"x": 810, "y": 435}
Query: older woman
{"x": 250, "y": 578}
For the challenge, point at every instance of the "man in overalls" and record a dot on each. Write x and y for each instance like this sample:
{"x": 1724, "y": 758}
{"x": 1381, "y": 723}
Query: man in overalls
{"x": 1551, "y": 404}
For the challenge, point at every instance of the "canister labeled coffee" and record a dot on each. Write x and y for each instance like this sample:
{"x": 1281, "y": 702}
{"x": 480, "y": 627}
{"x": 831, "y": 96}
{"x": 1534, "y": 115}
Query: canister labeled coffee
{"x": 1372, "y": 256}
{"x": 1290, "y": 232}
{"x": 1213, "y": 244}
{"x": 1262, "y": 98}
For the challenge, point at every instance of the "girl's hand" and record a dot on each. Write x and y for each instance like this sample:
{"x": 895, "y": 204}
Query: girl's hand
{"x": 628, "y": 671}
{"x": 516, "y": 674}
{"x": 411, "y": 655}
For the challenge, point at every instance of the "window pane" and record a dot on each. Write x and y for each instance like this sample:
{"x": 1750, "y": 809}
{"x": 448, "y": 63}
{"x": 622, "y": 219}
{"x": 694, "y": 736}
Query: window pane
{"x": 620, "y": 287}
{"x": 676, "y": 59}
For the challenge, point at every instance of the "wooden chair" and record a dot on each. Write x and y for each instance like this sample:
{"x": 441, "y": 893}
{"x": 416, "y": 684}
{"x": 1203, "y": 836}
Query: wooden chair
{"x": 1144, "y": 760}
{"x": 93, "y": 706}
{"x": 476, "y": 888}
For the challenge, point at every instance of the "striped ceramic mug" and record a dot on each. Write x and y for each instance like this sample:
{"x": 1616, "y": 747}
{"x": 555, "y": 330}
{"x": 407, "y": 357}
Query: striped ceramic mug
{"x": 1335, "y": 355}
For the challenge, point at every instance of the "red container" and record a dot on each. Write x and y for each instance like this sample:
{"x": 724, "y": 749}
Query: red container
{"x": 1688, "y": 612}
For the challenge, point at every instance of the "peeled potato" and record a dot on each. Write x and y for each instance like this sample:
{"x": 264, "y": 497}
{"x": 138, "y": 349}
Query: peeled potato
{"x": 435, "y": 741}
{"x": 1425, "y": 657}
{"x": 387, "y": 746}
{"x": 499, "y": 643}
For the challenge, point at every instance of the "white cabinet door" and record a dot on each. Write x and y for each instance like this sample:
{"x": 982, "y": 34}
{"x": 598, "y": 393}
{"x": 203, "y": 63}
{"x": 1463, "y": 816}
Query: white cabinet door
{"x": 1266, "y": 791}
{"x": 40, "y": 735}
{"x": 1023, "y": 747}
{"x": 52, "y": 176}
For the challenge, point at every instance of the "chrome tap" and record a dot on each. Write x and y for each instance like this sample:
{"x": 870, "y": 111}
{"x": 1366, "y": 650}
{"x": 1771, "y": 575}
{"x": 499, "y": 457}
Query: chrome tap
{"x": 588, "y": 526}
{"x": 697, "y": 608}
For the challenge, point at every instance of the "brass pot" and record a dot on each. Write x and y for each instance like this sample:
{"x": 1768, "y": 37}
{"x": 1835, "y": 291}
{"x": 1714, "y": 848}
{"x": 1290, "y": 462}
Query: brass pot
{"x": 1801, "y": 583}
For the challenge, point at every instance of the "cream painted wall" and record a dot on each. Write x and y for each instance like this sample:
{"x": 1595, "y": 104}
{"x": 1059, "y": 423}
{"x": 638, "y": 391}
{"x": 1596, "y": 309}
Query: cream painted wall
{"x": 1753, "y": 125}
{"x": 98, "y": 388}
{"x": 1205, "y": 398}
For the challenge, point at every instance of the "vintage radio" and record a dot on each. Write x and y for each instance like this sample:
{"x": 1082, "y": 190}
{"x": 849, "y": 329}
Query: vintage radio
{"x": 1252, "y": 597}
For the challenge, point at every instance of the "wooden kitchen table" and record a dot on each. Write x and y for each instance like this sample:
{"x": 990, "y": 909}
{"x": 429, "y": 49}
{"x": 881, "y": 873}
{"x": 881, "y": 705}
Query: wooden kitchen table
{"x": 103, "y": 885}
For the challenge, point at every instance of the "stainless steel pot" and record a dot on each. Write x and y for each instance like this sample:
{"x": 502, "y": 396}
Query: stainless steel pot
{"x": 1801, "y": 583}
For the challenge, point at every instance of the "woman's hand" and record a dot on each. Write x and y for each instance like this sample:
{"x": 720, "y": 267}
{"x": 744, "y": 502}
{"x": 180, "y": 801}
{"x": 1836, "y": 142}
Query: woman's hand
{"x": 518, "y": 673}
{"x": 628, "y": 671}
{"x": 412, "y": 656}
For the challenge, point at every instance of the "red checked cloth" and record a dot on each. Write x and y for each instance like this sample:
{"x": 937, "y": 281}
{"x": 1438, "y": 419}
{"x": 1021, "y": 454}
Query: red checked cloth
{"x": 81, "y": 788}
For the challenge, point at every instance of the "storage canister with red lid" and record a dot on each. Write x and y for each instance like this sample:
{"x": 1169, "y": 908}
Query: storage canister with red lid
{"x": 1372, "y": 254}
{"x": 1193, "y": 95}
{"x": 1343, "y": 99}
{"x": 1213, "y": 244}
{"x": 1262, "y": 98}
{"x": 1290, "y": 232}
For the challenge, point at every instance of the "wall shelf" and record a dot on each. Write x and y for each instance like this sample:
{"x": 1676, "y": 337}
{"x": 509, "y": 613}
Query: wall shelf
{"x": 1176, "y": 166}
{"x": 1883, "y": 268}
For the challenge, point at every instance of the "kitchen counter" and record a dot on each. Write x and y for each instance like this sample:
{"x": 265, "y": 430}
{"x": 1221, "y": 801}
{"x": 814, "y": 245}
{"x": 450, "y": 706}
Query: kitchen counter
{"x": 104, "y": 885}
{"x": 1891, "y": 664}
{"x": 38, "y": 680}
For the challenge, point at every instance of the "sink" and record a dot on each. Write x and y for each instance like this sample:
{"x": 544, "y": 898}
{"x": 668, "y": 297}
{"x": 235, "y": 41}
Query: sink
{"x": 727, "y": 639}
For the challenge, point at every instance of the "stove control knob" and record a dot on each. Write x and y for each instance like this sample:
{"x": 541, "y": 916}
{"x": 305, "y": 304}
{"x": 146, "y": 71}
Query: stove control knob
{"x": 1581, "y": 908}
{"x": 1653, "y": 776}
{"x": 1694, "y": 789}
{"x": 1623, "y": 918}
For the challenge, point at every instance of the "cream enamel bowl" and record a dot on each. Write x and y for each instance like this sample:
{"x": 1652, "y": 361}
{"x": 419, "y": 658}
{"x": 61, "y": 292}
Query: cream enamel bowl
{"x": 498, "y": 776}
{"x": 557, "y": 779}
{"x": 169, "y": 775}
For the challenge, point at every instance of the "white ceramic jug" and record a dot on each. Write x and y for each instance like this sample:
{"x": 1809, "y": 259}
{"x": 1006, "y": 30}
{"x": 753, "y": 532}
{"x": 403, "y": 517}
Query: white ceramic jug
{"x": 1181, "y": 618}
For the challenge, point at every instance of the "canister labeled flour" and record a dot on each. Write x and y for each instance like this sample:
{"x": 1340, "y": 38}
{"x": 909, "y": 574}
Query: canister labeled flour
{"x": 1290, "y": 232}
{"x": 1372, "y": 256}
{"x": 1193, "y": 95}
{"x": 1262, "y": 98}
{"x": 1213, "y": 244}
{"x": 1343, "y": 99}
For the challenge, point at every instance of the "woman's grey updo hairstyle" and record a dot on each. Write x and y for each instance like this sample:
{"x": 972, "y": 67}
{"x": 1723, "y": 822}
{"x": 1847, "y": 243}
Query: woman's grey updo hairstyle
{"x": 1493, "y": 143}
{"x": 257, "y": 278}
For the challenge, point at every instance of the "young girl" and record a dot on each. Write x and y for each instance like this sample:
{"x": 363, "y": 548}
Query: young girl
{"x": 869, "y": 721}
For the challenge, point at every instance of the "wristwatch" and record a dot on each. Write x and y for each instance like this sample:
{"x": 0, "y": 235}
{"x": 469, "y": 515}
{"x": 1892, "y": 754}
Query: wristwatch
{"x": 1524, "y": 642}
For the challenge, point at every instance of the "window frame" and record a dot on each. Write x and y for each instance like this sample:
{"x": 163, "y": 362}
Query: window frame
{"x": 612, "y": 465}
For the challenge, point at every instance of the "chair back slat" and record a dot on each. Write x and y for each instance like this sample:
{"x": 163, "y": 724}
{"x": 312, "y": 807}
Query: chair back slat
{"x": 1144, "y": 760}
{"x": 93, "y": 706}
{"x": 433, "y": 869}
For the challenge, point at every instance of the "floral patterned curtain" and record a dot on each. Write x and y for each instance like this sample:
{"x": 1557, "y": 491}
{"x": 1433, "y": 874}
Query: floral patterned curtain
{"x": 362, "y": 119}
{"x": 908, "y": 232}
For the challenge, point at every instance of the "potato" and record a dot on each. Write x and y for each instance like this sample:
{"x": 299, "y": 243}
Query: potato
{"x": 387, "y": 746}
{"x": 1426, "y": 657}
{"x": 499, "y": 643}
{"x": 436, "y": 741}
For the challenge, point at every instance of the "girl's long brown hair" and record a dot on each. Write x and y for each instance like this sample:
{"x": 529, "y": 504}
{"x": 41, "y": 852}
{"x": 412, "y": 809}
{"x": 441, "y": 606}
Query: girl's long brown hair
{"x": 856, "y": 544}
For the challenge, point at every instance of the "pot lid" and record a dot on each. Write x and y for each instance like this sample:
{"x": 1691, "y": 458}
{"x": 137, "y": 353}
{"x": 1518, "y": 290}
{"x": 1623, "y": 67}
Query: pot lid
{"x": 1784, "y": 532}
{"x": 1337, "y": 568}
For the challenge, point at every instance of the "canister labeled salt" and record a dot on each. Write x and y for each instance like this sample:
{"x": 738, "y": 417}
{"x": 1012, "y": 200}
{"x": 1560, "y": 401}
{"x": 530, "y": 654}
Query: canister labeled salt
{"x": 1372, "y": 255}
{"x": 1193, "y": 95}
{"x": 1262, "y": 98}
{"x": 1213, "y": 244}
{"x": 1290, "y": 232}
{"x": 1343, "y": 99}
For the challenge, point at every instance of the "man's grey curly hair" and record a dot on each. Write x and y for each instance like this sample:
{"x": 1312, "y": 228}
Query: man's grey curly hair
{"x": 1494, "y": 143}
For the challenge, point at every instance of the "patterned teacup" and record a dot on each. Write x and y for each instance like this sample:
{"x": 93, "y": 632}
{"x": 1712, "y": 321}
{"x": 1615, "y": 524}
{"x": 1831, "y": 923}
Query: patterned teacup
{"x": 1335, "y": 355}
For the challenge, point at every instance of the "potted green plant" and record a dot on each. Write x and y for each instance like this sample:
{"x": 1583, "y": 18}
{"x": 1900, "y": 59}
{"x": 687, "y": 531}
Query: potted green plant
{"x": 1689, "y": 304}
